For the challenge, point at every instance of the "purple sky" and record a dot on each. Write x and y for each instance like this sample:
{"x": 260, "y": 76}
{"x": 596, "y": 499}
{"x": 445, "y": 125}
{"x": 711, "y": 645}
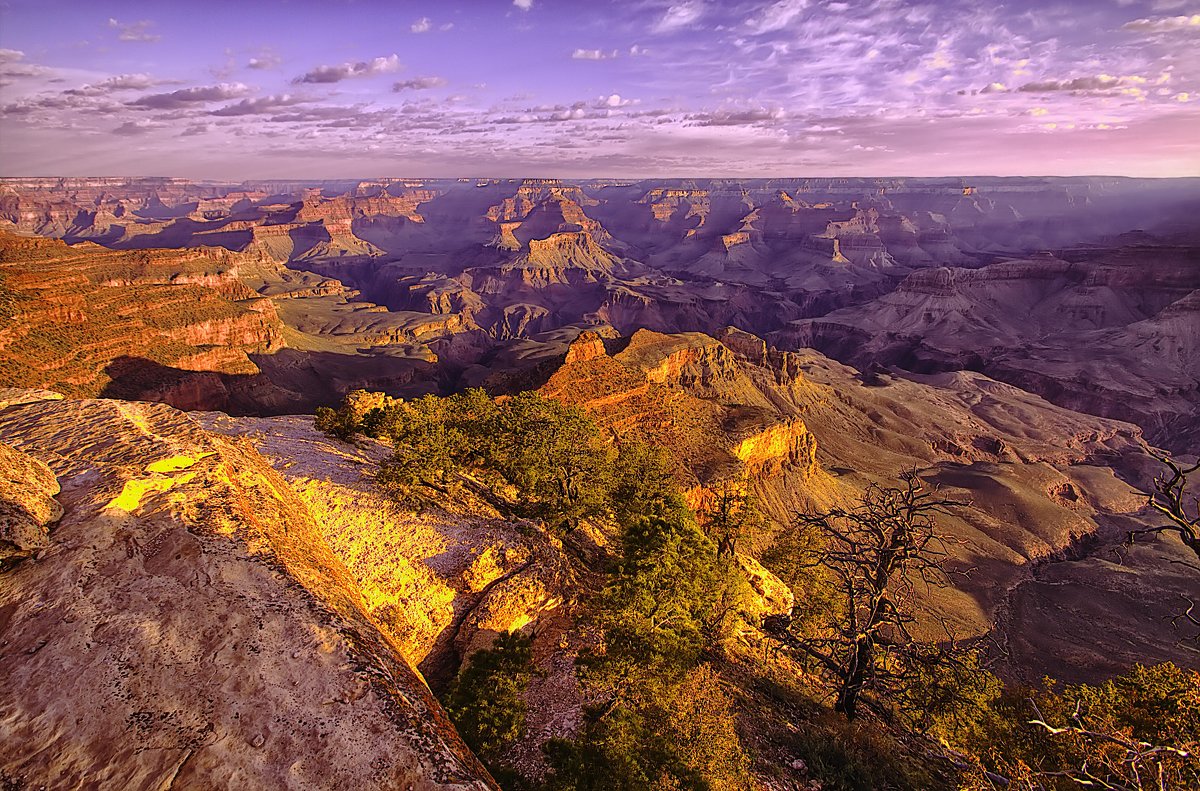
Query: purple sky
{"x": 303, "y": 89}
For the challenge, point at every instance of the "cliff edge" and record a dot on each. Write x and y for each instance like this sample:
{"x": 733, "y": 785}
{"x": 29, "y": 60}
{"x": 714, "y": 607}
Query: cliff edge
{"x": 184, "y": 624}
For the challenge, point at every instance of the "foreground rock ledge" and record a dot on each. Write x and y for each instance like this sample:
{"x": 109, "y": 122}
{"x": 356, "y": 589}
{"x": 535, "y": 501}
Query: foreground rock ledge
{"x": 187, "y": 626}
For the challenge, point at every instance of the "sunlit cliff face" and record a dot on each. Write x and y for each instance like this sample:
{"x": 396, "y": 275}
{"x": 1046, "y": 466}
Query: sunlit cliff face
{"x": 622, "y": 88}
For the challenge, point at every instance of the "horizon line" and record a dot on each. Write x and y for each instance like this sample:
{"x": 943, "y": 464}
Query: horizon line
{"x": 603, "y": 177}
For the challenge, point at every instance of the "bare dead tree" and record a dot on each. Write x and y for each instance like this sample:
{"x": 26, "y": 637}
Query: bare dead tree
{"x": 877, "y": 553}
{"x": 1190, "y": 617}
{"x": 1170, "y": 500}
{"x": 1093, "y": 754}
{"x": 732, "y": 516}
{"x": 1181, "y": 510}
{"x": 1117, "y": 761}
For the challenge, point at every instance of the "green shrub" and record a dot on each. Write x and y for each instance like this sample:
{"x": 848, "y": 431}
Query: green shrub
{"x": 555, "y": 455}
{"x": 563, "y": 468}
{"x": 428, "y": 445}
{"x": 860, "y": 756}
{"x": 663, "y": 722}
{"x": 334, "y": 423}
{"x": 643, "y": 484}
{"x": 672, "y": 735}
{"x": 486, "y": 700}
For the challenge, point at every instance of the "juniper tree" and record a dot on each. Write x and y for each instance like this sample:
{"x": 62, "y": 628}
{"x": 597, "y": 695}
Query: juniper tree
{"x": 875, "y": 554}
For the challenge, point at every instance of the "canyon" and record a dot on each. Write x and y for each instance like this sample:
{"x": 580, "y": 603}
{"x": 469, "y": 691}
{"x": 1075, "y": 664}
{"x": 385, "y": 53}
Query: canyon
{"x": 438, "y": 284}
{"x": 1023, "y": 346}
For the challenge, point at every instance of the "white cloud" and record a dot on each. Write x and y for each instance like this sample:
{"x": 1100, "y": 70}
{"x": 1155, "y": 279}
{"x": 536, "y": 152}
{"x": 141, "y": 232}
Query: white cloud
{"x": 344, "y": 71}
{"x": 848, "y": 73}
{"x": 133, "y": 128}
{"x": 419, "y": 84}
{"x": 593, "y": 54}
{"x": 777, "y": 16}
{"x": 613, "y": 100}
{"x": 422, "y": 25}
{"x": 941, "y": 58}
{"x": 12, "y": 64}
{"x": 262, "y": 62}
{"x": 524, "y": 5}
{"x": 1164, "y": 24}
{"x": 121, "y": 82}
{"x": 197, "y": 129}
{"x": 1100, "y": 83}
{"x": 260, "y": 105}
{"x": 680, "y": 15}
{"x": 188, "y": 96}
{"x": 749, "y": 117}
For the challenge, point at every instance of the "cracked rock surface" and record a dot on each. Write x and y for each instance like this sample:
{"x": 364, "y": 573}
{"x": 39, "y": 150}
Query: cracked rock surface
{"x": 187, "y": 625}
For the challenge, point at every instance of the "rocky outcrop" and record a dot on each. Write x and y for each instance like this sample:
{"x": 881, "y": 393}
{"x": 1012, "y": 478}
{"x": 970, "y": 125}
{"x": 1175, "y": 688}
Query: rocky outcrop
{"x": 689, "y": 359}
{"x": 764, "y": 453}
{"x": 802, "y": 432}
{"x": 694, "y": 396}
{"x": 27, "y": 504}
{"x": 443, "y": 582}
{"x": 568, "y": 250}
{"x": 681, "y": 204}
{"x": 771, "y": 595}
{"x": 440, "y": 584}
{"x": 588, "y": 346}
{"x": 15, "y": 396}
{"x": 210, "y": 634}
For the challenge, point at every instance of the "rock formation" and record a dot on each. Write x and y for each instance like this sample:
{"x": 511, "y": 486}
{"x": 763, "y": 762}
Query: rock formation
{"x": 188, "y": 625}
{"x": 86, "y": 321}
{"x": 27, "y": 507}
{"x": 804, "y": 431}
{"x": 1112, "y": 333}
{"x": 440, "y": 585}
{"x": 495, "y": 266}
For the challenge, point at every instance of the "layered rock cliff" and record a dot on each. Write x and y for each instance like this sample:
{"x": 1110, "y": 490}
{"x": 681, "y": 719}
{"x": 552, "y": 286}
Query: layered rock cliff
{"x": 508, "y": 263}
{"x": 27, "y": 507}
{"x": 166, "y": 325}
{"x": 1109, "y": 332}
